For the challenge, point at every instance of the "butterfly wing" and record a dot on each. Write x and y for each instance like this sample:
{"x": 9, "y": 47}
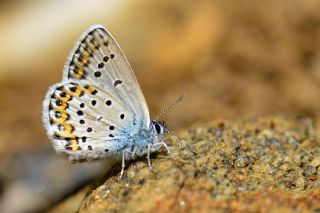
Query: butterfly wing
{"x": 98, "y": 104}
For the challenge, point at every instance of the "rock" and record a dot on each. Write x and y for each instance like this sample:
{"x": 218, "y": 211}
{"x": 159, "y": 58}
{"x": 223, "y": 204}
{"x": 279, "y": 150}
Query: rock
{"x": 248, "y": 166}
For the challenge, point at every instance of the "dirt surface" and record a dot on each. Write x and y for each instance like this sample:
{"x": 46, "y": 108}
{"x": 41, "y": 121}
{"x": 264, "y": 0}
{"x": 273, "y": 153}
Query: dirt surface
{"x": 260, "y": 165}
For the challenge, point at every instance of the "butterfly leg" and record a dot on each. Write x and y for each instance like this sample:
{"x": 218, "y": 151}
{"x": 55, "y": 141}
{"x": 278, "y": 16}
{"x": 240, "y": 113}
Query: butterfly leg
{"x": 148, "y": 155}
{"x": 134, "y": 151}
{"x": 165, "y": 146}
{"x": 123, "y": 164}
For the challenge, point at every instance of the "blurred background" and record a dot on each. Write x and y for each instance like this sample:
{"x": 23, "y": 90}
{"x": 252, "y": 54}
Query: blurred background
{"x": 233, "y": 60}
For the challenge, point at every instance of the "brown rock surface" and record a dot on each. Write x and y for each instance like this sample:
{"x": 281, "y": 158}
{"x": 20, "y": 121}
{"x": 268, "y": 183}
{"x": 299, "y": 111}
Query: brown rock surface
{"x": 258, "y": 165}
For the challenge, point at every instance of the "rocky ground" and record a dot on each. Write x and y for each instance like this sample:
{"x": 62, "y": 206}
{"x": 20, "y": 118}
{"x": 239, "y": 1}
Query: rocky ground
{"x": 258, "y": 165}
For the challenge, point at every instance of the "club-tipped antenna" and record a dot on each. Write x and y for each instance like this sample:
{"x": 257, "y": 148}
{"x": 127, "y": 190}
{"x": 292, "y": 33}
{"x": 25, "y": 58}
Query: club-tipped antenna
{"x": 171, "y": 106}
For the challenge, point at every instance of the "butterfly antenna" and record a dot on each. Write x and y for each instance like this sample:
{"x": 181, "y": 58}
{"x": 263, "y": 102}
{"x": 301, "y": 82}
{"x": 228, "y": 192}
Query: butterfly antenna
{"x": 171, "y": 106}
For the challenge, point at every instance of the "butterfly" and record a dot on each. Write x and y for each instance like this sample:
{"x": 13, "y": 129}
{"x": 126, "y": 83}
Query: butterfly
{"x": 98, "y": 109}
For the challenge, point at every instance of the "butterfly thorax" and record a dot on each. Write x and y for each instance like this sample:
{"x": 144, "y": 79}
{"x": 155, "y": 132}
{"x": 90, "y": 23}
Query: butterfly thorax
{"x": 146, "y": 139}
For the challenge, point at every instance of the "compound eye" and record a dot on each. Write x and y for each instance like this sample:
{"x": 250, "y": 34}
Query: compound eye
{"x": 158, "y": 128}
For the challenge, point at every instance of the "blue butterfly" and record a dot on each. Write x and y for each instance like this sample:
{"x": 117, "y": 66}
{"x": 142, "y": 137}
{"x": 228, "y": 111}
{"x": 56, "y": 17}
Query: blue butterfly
{"x": 98, "y": 109}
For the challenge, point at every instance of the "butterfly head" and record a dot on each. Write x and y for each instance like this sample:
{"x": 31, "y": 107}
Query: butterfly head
{"x": 159, "y": 127}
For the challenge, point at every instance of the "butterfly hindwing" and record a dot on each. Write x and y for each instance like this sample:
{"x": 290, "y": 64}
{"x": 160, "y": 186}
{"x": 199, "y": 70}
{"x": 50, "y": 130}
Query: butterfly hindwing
{"x": 85, "y": 121}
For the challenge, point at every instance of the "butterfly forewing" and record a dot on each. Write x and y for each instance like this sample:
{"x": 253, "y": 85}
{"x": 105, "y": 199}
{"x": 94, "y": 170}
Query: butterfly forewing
{"x": 98, "y": 59}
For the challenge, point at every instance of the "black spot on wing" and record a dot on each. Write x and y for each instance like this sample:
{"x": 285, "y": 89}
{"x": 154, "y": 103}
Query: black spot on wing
{"x": 117, "y": 82}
